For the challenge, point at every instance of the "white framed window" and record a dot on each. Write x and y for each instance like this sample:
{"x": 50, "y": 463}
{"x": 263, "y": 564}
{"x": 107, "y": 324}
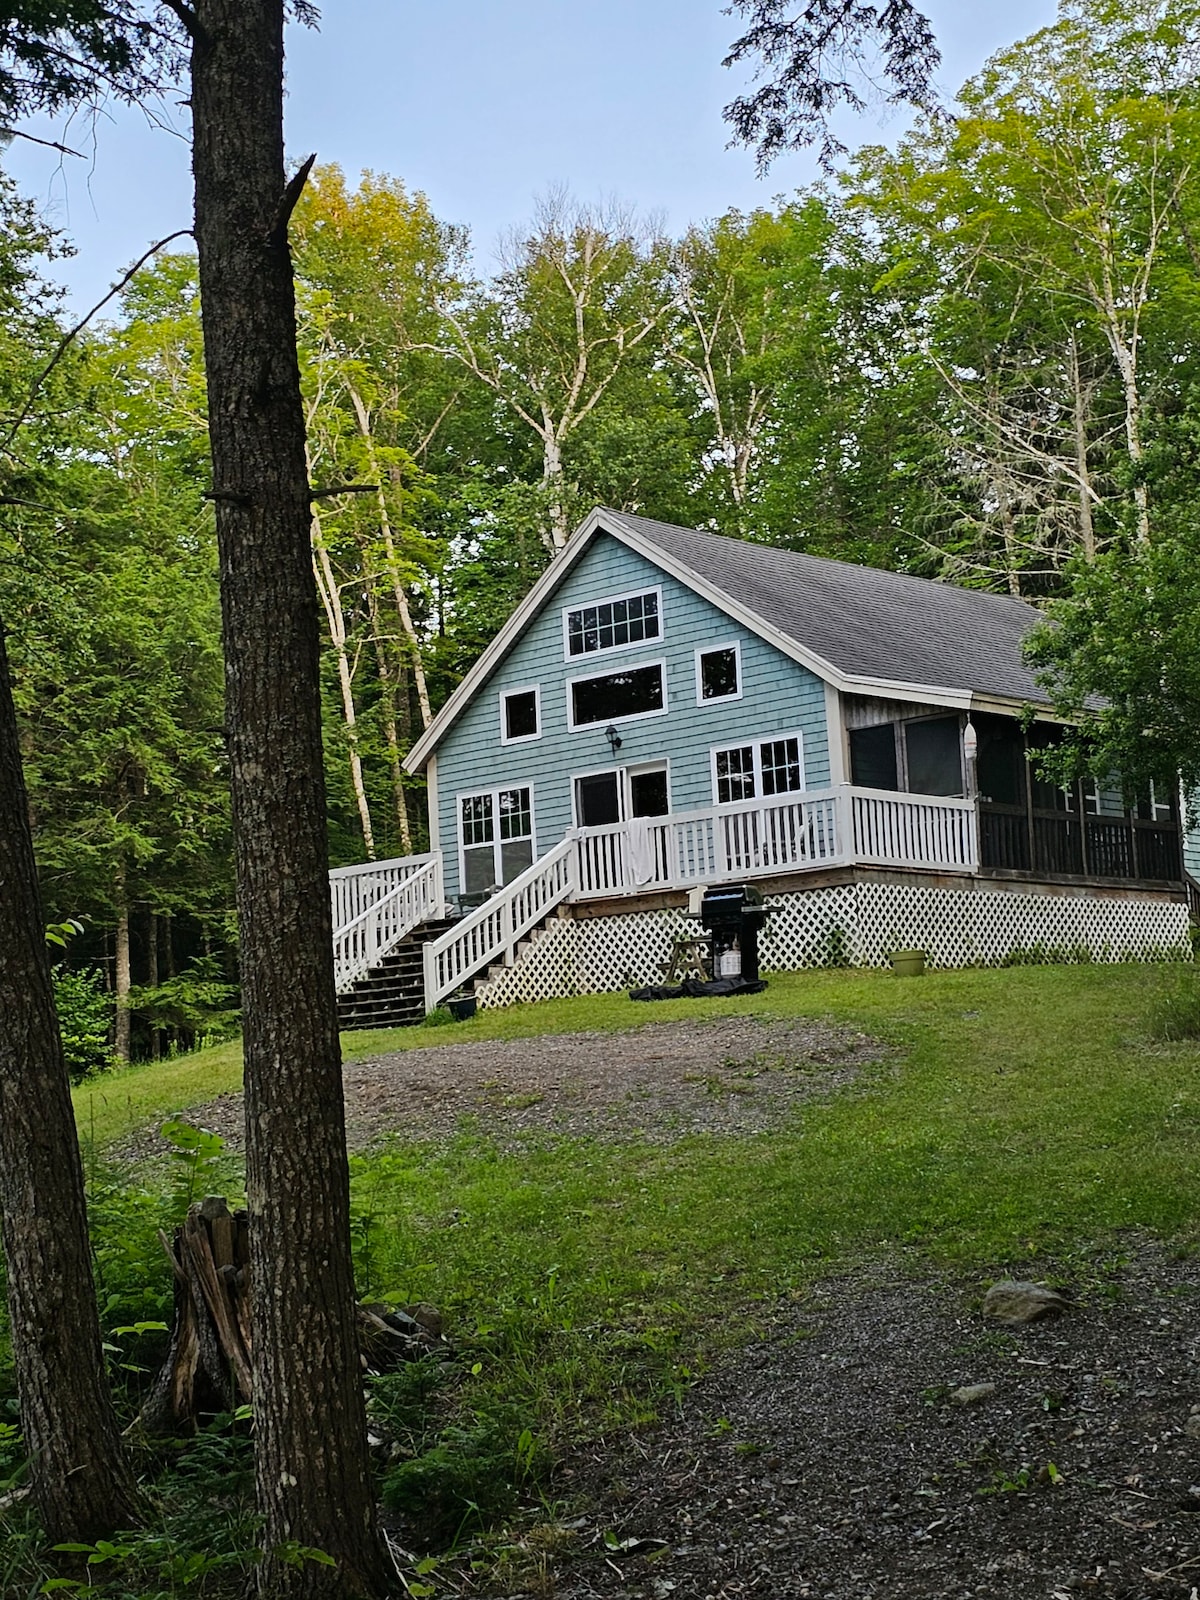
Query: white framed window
{"x": 718, "y": 673}
{"x": 520, "y": 714}
{"x": 620, "y": 622}
{"x": 1155, "y": 804}
{"x": 624, "y": 695}
{"x": 495, "y": 837}
{"x": 759, "y": 770}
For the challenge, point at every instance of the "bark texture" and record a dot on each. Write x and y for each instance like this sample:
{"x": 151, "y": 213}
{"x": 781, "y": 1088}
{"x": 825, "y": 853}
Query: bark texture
{"x": 82, "y": 1485}
{"x": 312, "y": 1467}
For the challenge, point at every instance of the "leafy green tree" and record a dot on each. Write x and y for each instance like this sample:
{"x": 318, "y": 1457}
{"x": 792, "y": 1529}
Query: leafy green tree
{"x": 82, "y": 1484}
{"x": 580, "y": 295}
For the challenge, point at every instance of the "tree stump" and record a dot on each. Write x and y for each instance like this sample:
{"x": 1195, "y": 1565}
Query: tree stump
{"x": 207, "y": 1369}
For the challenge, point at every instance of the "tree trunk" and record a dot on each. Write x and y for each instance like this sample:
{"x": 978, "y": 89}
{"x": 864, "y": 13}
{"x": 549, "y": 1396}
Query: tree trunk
{"x": 387, "y": 703}
{"x": 555, "y": 480}
{"x": 81, "y": 1482}
{"x": 121, "y": 981}
{"x": 393, "y": 563}
{"x": 311, "y": 1459}
{"x": 331, "y": 600}
{"x": 1087, "y": 532}
{"x": 152, "y": 977}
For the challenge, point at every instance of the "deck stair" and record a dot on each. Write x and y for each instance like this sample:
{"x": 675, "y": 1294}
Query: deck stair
{"x": 392, "y": 993}
{"x": 1193, "y": 898}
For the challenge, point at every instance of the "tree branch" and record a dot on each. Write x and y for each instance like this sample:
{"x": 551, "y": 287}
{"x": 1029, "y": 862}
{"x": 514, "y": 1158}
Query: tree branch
{"x": 291, "y": 195}
{"x": 48, "y": 144}
{"x": 188, "y": 17}
{"x": 343, "y": 488}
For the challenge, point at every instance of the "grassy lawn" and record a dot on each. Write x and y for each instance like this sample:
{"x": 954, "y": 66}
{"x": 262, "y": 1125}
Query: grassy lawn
{"x": 1019, "y": 1121}
{"x": 1020, "y": 1115}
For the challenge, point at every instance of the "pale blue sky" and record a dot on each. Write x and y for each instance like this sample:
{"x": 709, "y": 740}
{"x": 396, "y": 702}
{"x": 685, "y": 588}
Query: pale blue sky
{"x": 483, "y": 106}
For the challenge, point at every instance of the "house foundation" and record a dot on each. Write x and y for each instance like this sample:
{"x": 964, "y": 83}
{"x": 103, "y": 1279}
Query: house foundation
{"x": 853, "y": 919}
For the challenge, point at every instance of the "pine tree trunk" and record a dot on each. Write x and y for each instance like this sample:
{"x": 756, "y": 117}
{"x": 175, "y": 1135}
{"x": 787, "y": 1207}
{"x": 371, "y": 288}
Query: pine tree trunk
{"x": 312, "y": 1468}
{"x": 152, "y": 977}
{"x": 82, "y": 1485}
{"x": 121, "y": 982}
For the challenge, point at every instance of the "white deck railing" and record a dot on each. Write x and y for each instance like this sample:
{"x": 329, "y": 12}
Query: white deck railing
{"x": 378, "y": 906}
{"x": 753, "y": 839}
{"x": 491, "y": 932}
{"x": 913, "y": 830}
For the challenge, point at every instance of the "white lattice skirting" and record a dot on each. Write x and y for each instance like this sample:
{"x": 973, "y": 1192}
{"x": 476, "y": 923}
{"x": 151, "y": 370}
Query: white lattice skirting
{"x": 854, "y": 924}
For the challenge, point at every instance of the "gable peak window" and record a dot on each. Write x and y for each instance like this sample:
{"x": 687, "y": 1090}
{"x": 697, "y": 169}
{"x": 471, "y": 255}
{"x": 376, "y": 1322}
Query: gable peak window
{"x": 718, "y": 673}
{"x": 520, "y": 715}
{"x": 617, "y": 624}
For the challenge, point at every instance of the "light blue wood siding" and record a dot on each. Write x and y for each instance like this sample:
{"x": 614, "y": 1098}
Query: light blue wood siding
{"x": 1191, "y": 840}
{"x": 778, "y": 696}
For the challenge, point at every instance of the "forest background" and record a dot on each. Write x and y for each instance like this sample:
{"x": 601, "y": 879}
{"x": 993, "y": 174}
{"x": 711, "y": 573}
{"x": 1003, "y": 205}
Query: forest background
{"x": 972, "y": 357}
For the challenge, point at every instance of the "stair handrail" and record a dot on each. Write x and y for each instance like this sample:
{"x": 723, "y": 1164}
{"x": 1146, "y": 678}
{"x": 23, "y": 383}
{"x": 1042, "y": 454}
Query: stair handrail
{"x": 379, "y": 927}
{"x": 491, "y": 932}
{"x": 352, "y": 889}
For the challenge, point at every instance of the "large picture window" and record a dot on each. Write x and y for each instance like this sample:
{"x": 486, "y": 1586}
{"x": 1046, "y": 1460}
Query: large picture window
{"x": 615, "y": 624}
{"x": 617, "y": 696}
{"x": 496, "y": 835}
{"x": 758, "y": 771}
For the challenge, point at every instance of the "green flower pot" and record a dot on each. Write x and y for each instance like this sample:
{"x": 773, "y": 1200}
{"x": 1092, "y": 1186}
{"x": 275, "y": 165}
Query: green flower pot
{"x": 908, "y": 963}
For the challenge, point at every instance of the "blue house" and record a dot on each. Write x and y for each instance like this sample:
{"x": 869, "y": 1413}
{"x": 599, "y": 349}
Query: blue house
{"x": 669, "y": 709}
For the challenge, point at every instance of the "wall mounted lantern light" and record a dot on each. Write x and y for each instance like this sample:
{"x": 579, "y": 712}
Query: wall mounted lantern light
{"x": 613, "y": 737}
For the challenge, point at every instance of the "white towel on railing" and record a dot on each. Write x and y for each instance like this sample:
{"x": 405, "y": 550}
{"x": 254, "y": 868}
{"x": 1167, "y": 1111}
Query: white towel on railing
{"x": 641, "y": 851}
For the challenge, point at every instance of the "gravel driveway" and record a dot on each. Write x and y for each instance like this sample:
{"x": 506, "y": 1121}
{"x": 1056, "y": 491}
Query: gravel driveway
{"x": 830, "y": 1461}
{"x": 734, "y": 1075}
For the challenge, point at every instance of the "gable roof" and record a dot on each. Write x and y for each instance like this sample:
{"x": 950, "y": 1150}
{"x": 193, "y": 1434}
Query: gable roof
{"x": 862, "y": 629}
{"x": 863, "y": 621}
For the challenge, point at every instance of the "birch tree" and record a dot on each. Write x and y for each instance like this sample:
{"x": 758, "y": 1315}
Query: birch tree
{"x": 577, "y": 295}
{"x": 753, "y": 304}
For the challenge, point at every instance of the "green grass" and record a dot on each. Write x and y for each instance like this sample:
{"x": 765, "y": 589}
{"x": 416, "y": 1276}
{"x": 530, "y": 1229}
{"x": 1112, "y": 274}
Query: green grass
{"x": 1023, "y": 1116}
{"x": 1021, "y": 1120}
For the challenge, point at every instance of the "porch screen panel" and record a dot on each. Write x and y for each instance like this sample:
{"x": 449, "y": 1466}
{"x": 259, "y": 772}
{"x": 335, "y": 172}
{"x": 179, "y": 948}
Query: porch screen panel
{"x": 934, "y": 752}
{"x": 1000, "y": 763}
{"x": 873, "y": 757}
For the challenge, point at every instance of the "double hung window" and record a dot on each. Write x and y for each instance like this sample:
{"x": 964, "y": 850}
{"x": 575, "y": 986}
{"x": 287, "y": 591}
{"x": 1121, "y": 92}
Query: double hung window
{"x": 616, "y": 624}
{"x": 758, "y": 771}
{"x": 496, "y": 834}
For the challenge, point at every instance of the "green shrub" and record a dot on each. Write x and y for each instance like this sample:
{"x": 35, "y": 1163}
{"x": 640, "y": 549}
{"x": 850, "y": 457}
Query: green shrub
{"x": 468, "y": 1479}
{"x": 85, "y": 1016}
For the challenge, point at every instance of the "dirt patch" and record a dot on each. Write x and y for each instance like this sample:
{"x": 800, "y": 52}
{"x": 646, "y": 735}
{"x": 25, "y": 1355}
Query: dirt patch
{"x": 736, "y": 1075}
{"x": 830, "y": 1460}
